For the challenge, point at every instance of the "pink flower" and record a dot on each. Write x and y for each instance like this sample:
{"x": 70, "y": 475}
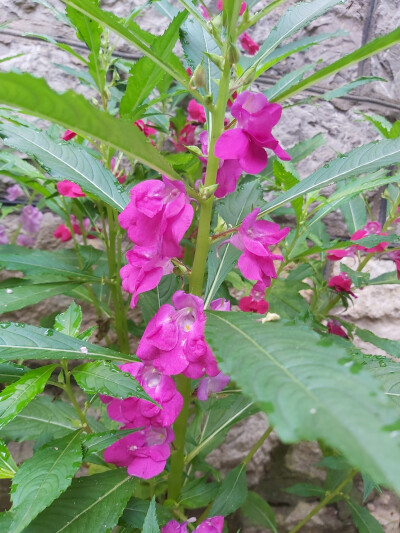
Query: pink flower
{"x": 68, "y": 135}
{"x": 196, "y": 112}
{"x": 232, "y": 99}
{"x": 204, "y": 12}
{"x": 158, "y": 215}
{"x": 395, "y": 256}
{"x": 341, "y": 283}
{"x": 336, "y": 255}
{"x": 371, "y": 228}
{"x": 62, "y": 233}
{"x": 255, "y": 303}
{"x": 242, "y": 7}
{"x": 220, "y": 304}
{"x": 248, "y": 44}
{"x": 174, "y": 339}
{"x": 246, "y": 144}
{"x": 144, "y": 271}
{"x": 253, "y": 238}
{"x": 145, "y": 452}
{"x": 25, "y": 240}
{"x": 189, "y": 72}
{"x": 31, "y": 219}
{"x": 121, "y": 177}
{"x": 210, "y": 525}
{"x": 135, "y": 412}
{"x": 69, "y": 189}
{"x": 185, "y": 138}
{"x": 145, "y": 128}
{"x": 336, "y": 329}
{"x": 208, "y": 386}
{"x": 14, "y": 192}
{"x": 3, "y": 235}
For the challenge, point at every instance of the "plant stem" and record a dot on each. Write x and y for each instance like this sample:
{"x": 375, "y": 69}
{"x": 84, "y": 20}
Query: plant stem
{"x": 68, "y": 389}
{"x": 259, "y": 15}
{"x": 257, "y": 445}
{"x": 329, "y": 496}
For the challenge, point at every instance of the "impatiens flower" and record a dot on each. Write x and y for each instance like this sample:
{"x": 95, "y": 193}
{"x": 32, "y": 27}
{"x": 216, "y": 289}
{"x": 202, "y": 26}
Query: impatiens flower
{"x": 196, "y": 112}
{"x": 220, "y": 304}
{"x": 341, "y": 283}
{"x": 121, "y": 177}
{"x": 3, "y": 235}
{"x": 144, "y": 271}
{"x": 248, "y": 44}
{"x": 242, "y": 7}
{"x": 14, "y": 192}
{"x": 185, "y": 138}
{"x": 371, "y": 228}
{"x": 232, "y": 99}
{"x": 69, "y": 189}
{"x": 253, "y": 238}
{"x": 336, "y": 329}
{"x": 68, "y": 135}
{"x": 204, "y": 12}
{"x": 210, "y": 525}
{"x": 145, "y": 452}
{"x": 62, "y": 233}
{"x": 208, "y": 386}
{"x": 173, "y": 341}
{"x": 255, "y": 303}
{"x": 395, "y": 256}
{"x": 145, "y": 128}
{"x": 337, "y": 255}
{"x": 25, "y": 240}
{"x": 135, "y": 412}
{"x": 246, "y": 144}
{"x": 31, "y": 218}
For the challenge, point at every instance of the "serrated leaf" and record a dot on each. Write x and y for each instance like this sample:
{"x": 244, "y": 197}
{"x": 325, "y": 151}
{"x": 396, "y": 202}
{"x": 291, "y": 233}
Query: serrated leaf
{"x": 257, "y": 510}
{"x": 232, "y": 492}
{"x": 8, "y": 468}
{"x": 367, "y": 158}
{"x": 102, "y": 377}
{"x": 21, "y": 341}
{"x": 10, "y": 372}
{"x": 363, "y": 520}
{"x": 287, "y": 81}
{"x": 348, "y": 87}
{"x": 91, "y": 503}
{"x": 67, "y": 161}
{"x": 136, "y": 511}
{"x": 151, "y": 301}
{"x": 70, "y": 321}
{"x": 368, "y": 486}
{"x": 232, "y": 209}
{"x": 43, "y": 477}
{"x": 309, "y": 393}
{"x": 150, "y": 524}
{"x": 17, "y": 395}
{"x": 354, "y": 213}
{"x": 388, "y": 345}
{"x": 33, "y": 96}
{"x": 19, "y": 297}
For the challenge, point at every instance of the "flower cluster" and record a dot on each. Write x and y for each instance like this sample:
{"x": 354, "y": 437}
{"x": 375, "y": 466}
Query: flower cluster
{"x": 371, "y": 228}
{"x": 63, "y": 232}
{"x": 156, "y": 219}
{"x": 29, "y": 224}
{"x": 211, "y": 525}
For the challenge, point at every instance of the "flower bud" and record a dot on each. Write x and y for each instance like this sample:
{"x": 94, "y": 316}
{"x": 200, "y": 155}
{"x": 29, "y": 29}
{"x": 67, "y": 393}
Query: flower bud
{"x": 233, "y": 55}
{"x": 199, "y": 77}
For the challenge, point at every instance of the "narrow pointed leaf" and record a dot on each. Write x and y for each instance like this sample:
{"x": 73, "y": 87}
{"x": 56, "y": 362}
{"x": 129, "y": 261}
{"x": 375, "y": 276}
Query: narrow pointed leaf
{"x": 33, "y": 96}
{"x": 232, "y": 493}
{"x": 92, "y": 503}
{"x": 309, "y": 393}
{"x": 287, "y": 81}
{"x": 10, "y": 372}
{"x": 22, "y": 341}
{"x": 70, "y": 321}
{"x": 150, "y": 524}
{"x": 348, "y": 87}
{"x": 364, "y": 521}
{"x": 257, "y": 510}
{"x": 136, "y": 510}
{"x": 41, "y": 479}
{"x": 8, "y": 468}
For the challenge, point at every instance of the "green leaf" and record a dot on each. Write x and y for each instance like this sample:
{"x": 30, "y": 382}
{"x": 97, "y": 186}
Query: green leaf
{"x": 368, "y": 486}
{"x": 389, "y": 346}
{"x": 345, "y": 89}
{"x": 145, "y": 74}
{"x": 70, "y": 321}
{"x": 17, "y": 395}
{"x": 257, "y": 510}
{"x": 291, "y": 22}
{"x": 367, "y": 158}
{"x": 363, "y": 520}
{"x": 41, "y": 479}
{"x": 386, "y": 128}
{"x": 151, "y": 301}
{"x": 8, "y": 468}
{"x": 136, "y": 511}
{"x": 308, "y": 391}
{"x": 103, "y": 377}
{"x": 19, "y": 297}
{"x": 232, "y": 492}
{"x": 92, "y": 503}
{"x": 33, "y": 96}
{"x": 358, "y": 279}
{"x": 232, "y": 209}
{"x": 150, "y": 524}
{"x": 97, "y": 442}
{"x": 286, "y": 300}
{"x": 57, "y": 264}
{"x": 21, "y": 341}
{"x": 197, "y": 493}
{"x": 373, "y": 47}
{"x": 387, "y": 372}
{"x": 306, "y": 490}
{"x": 287, "y": 81}
{"x": 10, "y": 372}
{"x": 354, "y": 213}
{"x": 43, "y": 415}
{"x": 67, "y": 161}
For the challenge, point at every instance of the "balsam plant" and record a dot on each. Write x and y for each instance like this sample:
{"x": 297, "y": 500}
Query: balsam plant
{"x": 161, "y": 182}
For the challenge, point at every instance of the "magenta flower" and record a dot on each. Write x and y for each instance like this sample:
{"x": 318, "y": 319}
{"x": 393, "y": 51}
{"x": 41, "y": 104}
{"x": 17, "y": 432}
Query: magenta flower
{"x": 204, "y": 12}
{"x": 210, "y": 525}
{"x": 145, "y": 128}
{"x": 335, "y": 328}
{"x": 253, "y": 238}
{"x": 3, "y": 235}
{"x": 208, "y": 386}
{"x": 196, "y": 112}
{"x": 158, "y": 215}
{"x": 25, "y": 240}
{"x": 185, "y": 138}
{"x": 121, "y": 177}
{"x": 371, "y": 228}
{"x": 31, "y": 219}
{"x": 341, "y": 283}
{"x": 174, "y": 339}
{"x": 14, "y": 192}
{"x": 220, "y": 304}
{"x": 135, "y": 412}
{"x": 69, "y": 189}
{"x": 395, "y": 256}
{"x": 145, "y": 452}
{"x": 337, "y": 255}
{"x": 255, "y": 303}
{"x": 144, "y": 271}
{"x": 68, "y": 135}
{"x": 246, "y": 144}
{"x": 248, "y": 44}
{"x": 62, "y": 233}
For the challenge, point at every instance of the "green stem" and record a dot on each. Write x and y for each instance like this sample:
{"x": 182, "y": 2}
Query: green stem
{"x": 257, "y": 445}
{"x": 259, "y": 15}
{"x": 68, "y": 389}
{"x": 329, "y": 497}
